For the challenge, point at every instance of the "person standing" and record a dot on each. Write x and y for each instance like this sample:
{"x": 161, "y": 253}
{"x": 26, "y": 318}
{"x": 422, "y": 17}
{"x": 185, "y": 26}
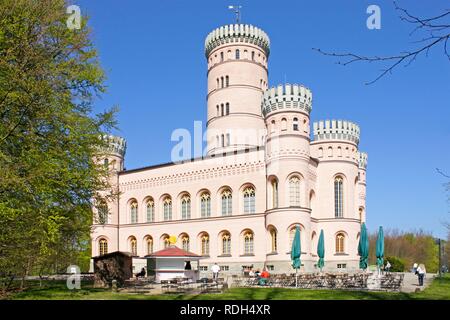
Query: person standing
{"x": 388, "y": 266}
{"x": 421, "y": 273}
{"x": 215, "y": 270}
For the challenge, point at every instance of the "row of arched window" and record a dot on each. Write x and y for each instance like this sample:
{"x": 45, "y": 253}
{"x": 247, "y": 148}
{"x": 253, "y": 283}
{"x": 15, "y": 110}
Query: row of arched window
{"x": 284, "y": 125}
{"x": 226, "y": 198}
{"x": 223, "y": 140}
{"x": 295, "y": 194}
{"x": 220, "y": 57}
{"x": 223, "y": 82}
{"x": 223, "y": 109}
{"x": 339, "y": 152}
{"x": 224, "y": 237}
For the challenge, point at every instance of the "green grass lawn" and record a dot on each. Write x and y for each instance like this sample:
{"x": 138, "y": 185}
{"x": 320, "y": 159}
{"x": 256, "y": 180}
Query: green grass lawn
{"x": 439, "y": 289}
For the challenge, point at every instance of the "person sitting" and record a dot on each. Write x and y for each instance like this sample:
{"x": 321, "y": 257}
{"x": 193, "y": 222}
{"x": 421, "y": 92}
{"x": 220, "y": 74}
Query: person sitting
{"x": 264, "y": 277}
{"x": 257, "y": 273}
{"x": 141, "y": 274}
{"x": 251, "y": 273}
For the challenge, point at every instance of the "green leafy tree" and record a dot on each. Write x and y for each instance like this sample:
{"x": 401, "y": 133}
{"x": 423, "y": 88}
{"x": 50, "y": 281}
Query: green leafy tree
{"x": 49, "y": 138}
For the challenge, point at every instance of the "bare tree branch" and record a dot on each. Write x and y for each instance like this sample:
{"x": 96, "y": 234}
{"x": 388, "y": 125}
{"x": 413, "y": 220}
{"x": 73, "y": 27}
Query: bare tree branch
{"x": 442, "y": 173}
{"x": 438, "y": 32}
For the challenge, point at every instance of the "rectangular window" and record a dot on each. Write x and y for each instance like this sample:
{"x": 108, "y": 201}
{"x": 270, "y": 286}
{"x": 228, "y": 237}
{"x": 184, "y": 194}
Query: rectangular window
{"x": 270, "y": 267}
{"x": 342, "y": 266}
{"x": 224, "y": 268}
{"x": 203, "y": 268}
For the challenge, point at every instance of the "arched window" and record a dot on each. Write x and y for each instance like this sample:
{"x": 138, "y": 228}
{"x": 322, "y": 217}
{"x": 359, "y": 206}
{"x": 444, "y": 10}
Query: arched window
{"x": 340, "y": 239}
{"x": 218, "y": 112}
{"x": 150, "y": 211}
{"x": 133, "y": 212}
{"x": 339, "y": 152}
{"x": 292, "y": 234}
{"x": 330, "y": 151}
{"x": 221, "y": 82}
{"x": 221, "y": 57}
{"x": 222, "y": 140}
{"x": 249, "y": 200}
{"x": 165, "y": 240}
{"x": 227, "y": 81}
{"x": 226, "y": 203}
{"x": 102, "y": 213}
{"x": 205, "y": 205}
{"x": 295, "y": 124}
{"x": 248, "y": 242}
{"x": 133, "y": 246}
{"x": 228, "y": 139}
{"x": 238, "y": 54}
{"x": 226, "y": 243}
{"x": 294, "y": 191}
{"x": 204, "y": 244}
{"x": 149, "y": 243}
{"x": 274, "y": 193}
{"x": 218, "y": 83}
{"x": 227, "y": 111}
{"x": 272, "y": 127}
{"x": 320, "y": 152}
{"x": 103, "y": 247}
{"x": 338, "y": 197}
{"x": 167, "y": 208}
{"x": 185, "y": 242}
{"x": 222, "y": 112}
{"x": 283, "y": 124}
{"x": 253, "y": 55}
{"x": 273, "y": 239}
{"x": 185, "y": 207}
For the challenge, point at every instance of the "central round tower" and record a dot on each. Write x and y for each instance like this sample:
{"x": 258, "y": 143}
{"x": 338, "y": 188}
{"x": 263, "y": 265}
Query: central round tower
{"x": 237, "y": 76}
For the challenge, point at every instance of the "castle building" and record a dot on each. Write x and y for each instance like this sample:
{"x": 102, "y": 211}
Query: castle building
{"x": 263, "y": 174}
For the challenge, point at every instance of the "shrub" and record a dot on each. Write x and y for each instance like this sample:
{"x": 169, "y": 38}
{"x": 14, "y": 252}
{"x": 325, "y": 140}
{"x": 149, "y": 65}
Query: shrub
{"x": 397, "y": 264}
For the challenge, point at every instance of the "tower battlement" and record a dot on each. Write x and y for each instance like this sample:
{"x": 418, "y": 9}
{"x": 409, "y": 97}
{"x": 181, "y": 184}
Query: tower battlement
{"x": 237, "y": 33}
{"x": 116, "y": 145}
{"x": 285, "y": 97}
{"x": 362, "y": 160}
{"x": 336, "y": 130}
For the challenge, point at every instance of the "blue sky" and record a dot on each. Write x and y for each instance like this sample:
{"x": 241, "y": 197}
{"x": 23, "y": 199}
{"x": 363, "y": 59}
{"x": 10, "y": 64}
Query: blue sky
{"x": 153, "y": 55}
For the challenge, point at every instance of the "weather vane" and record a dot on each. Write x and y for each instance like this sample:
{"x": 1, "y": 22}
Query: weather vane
{"x": 237, "y": 11}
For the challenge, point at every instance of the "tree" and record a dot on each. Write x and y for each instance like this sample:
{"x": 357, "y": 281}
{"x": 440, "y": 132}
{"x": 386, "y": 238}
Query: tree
{"x": 49, "y": 138}
{"x": 409, "y": 247}
{"x": 435, "y": 32}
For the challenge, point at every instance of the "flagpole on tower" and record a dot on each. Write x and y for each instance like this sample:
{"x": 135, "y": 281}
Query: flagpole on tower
{"x": 237, "y": 11}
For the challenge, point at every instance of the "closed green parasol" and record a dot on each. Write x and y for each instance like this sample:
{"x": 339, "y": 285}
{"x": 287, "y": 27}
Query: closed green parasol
{"x": 380, "y": 248}
{"x": 363, "y": 247}
{"x": 296, "y": 252}
{"x": 321, "y": 251}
